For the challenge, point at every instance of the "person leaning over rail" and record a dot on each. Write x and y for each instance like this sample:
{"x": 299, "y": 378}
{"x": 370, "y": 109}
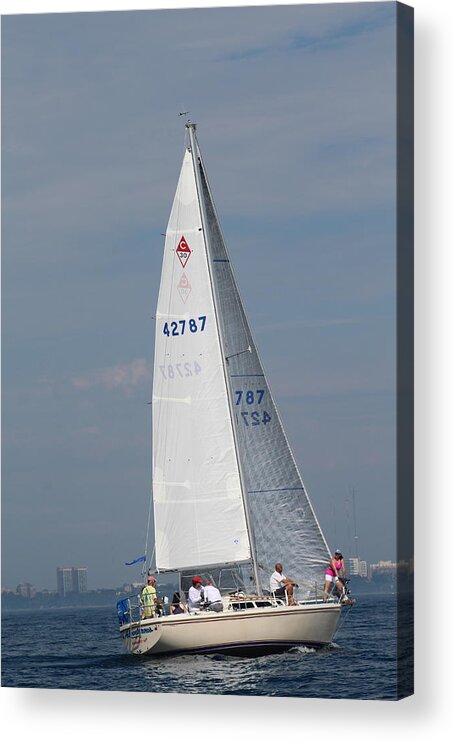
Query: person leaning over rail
{"x": 149, "y": 598}
{"x": 333, "y": 574}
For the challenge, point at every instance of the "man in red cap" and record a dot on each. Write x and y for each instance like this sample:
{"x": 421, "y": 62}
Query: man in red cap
{"x": 195, "y": 595}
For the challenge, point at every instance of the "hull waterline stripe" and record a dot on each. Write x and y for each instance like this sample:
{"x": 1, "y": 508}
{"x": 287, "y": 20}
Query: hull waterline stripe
{"x": 238, "y": 645}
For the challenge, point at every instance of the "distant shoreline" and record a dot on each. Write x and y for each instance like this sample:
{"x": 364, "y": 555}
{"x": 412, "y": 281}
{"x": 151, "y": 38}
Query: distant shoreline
{"x": 42, "y": 609}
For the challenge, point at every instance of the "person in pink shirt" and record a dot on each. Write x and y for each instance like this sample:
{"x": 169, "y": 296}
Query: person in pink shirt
{"x": 334, "y": 571}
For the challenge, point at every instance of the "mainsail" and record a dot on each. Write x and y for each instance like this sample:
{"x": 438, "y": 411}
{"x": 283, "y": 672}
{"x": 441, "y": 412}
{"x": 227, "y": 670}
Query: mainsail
{"x": 226, "y": 485}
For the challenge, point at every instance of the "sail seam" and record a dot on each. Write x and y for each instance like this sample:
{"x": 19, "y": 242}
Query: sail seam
{"x": 281, "y": 489}
{"x": 241, "y": 376}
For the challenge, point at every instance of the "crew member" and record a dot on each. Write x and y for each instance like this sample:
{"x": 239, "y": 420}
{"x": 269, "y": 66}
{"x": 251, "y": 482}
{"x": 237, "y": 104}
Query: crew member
{"x": 177, "y": 606}
{"x": 282, "y": 586}
{"x": 212, "y": 596}
{"x": 149, "y": 598}
{"x": 195, "y": 595}
{"x": 333, "y": 573}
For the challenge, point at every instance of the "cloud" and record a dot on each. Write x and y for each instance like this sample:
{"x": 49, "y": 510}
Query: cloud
{"x": 124, "y": 377}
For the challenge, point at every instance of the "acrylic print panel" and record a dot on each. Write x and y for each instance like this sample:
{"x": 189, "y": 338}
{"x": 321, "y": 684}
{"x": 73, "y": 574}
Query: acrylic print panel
{"x": 304, "y": 123}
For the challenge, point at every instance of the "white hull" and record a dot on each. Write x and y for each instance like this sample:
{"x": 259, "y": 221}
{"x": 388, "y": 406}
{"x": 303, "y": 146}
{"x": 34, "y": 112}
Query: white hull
{"x": 255, "y": 630}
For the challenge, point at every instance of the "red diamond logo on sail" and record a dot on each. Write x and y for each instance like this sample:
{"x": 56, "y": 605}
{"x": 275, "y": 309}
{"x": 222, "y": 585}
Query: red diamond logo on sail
{"x": 184, "y": 288}
{"x": 183, "y": 251}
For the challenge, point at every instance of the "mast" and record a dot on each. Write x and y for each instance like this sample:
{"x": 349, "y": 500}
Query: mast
{"x": 197, "y": 162}
{"x": 356, "y": 540}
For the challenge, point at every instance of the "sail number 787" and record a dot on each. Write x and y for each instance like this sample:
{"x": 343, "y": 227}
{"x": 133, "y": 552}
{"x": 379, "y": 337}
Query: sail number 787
{"x": 252, "y": 397}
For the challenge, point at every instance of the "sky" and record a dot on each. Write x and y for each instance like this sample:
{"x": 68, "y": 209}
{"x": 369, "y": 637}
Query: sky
{"x": 295, "y": 108}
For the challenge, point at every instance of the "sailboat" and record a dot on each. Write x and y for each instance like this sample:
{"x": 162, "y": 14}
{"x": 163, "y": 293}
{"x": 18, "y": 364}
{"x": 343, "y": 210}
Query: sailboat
{"x": 228, "y": 499}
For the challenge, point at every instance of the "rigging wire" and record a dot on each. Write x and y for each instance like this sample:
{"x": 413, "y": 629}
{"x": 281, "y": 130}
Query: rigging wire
{"x": 343, "y": 620}
{"x": 144, "y": 569}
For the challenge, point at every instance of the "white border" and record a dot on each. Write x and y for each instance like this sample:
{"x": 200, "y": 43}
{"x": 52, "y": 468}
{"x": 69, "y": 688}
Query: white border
{"x": 71, "y": 6}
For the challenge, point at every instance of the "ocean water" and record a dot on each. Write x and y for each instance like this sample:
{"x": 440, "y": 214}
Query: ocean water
{"x": 81, "y": 649}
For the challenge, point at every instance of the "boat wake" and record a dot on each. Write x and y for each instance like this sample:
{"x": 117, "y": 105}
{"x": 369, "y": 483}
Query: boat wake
{"x": 303, "y": 650}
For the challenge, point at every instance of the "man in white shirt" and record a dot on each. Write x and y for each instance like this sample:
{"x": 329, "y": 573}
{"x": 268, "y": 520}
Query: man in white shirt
{"x": 195, "y": 595}
{"x": 281, "y": 585}
{"x": 213, "y": 597}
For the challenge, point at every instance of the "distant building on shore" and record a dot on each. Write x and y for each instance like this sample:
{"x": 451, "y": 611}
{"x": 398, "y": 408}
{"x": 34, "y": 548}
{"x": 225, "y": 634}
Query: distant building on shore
{"x": 357, "y": 567}
{"x": 383, "y": 568}
{"x": 79, "y": 579}
{"x": 26, "y": 590}
{"x": 71, "y": 580}
{"x": 64, "y": 581}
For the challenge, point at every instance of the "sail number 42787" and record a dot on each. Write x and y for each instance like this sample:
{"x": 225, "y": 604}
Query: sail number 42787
{"x": 173, "y": 329}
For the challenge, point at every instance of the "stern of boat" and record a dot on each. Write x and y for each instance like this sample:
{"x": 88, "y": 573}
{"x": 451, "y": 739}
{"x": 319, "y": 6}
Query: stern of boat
{"x": 139, "y": 634}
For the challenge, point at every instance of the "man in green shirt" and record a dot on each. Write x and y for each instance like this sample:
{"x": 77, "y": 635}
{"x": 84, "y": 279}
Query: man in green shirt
{"x": 149, "y": 598}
